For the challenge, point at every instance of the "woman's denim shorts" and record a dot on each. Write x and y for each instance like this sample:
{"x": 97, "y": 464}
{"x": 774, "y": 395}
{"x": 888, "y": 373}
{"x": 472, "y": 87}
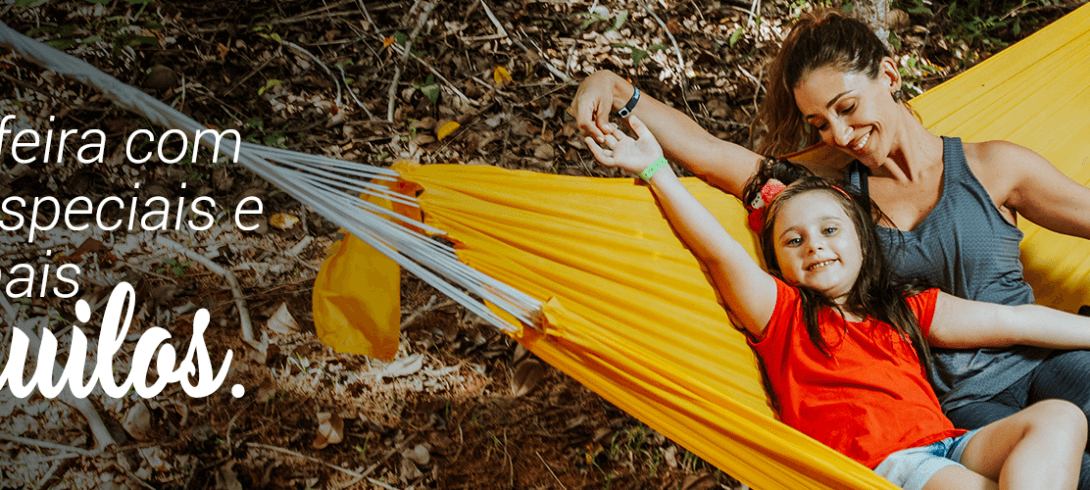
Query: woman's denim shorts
{"x": 911, "y": 468}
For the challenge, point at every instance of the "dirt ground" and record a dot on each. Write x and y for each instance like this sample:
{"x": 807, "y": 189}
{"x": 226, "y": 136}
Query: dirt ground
{"x": 371, "y": 82}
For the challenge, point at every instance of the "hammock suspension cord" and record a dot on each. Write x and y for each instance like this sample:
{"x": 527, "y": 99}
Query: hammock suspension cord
{"x": 329, "y": 186}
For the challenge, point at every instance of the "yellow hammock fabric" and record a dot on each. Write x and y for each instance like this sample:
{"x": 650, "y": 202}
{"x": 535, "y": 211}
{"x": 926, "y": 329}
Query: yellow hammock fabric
{"x": 628, "y": 312}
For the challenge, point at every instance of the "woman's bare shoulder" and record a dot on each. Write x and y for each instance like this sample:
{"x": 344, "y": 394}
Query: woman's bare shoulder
{"x": 1001, "y": 165}
{"x": 997, "y": 154}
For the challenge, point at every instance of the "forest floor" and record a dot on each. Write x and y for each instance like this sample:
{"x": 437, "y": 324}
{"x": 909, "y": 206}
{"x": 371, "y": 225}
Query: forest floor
{"x": 444, "y": 414}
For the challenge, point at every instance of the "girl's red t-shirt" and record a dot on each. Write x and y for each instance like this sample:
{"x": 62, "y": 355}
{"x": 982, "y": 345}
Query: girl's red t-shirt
{"x": 870, "y": 397}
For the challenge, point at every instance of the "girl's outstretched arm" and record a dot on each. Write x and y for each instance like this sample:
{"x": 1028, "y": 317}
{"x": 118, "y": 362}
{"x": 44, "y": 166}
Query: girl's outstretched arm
{"x": 723, "y": 164}
{"x": 960, "y": 323}
{"x": 748, "y": 291}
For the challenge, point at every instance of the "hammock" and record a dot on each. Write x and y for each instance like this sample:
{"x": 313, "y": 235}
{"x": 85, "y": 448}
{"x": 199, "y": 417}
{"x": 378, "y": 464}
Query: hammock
{"x": 588, "y": 275}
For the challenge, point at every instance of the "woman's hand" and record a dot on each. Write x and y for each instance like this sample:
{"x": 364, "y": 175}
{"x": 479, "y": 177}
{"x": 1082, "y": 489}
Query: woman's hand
{"x": 593, "y": 103}
{"x": 633, "y": 155}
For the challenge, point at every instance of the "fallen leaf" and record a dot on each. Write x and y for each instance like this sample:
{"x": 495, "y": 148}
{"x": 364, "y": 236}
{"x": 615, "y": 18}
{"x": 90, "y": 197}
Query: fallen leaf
{"x": 424, "y": 123}
{"x": 545, "y": 152}
{"x": 419, "y": 455}
{"x": 283, "y": 221}
{"x": 282, "y": 322}
{"x": 446, "y": 129}
{"x": 409, "y": 471}
{"x": 137, "y": 422}
{"x": 502, "y": 76}
{"x": 330, "y": 430}
{"x": 227, "y": 479}
{"x": 670, "y": 455}
{"x": 423, "y": 139}
{"x": 156, "y": 458}
{"x": 267, "y": 390}
{"x": 387, "y": 42}
{"x": 700, "y": 482}
{"x": 405, "y": 366}
{"x": 528, "y": 374}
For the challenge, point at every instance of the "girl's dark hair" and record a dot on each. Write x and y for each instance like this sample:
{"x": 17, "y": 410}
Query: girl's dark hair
{"x": 874, "y": 293}
{"x": 818, "y": 39}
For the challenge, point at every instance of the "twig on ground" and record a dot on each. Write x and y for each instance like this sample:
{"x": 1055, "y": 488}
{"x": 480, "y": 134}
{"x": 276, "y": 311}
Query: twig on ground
{"x": 231, "y": 423}
{"x": 396, "y": 449}
{"x": 756, "y": 81}
{"x": 236, "y": 291}
{"x": 443, "y": 79}
{"x": 358, "y": 476}
{"x": 353, "y": 94}
{"x": 677, "y": 50}
{"x": 367, "y": 15}
{"x": 246, "y": 76}
{"x": 408, "y": 49}
{"x": 754, "y": 11}
{"x": 550, "y": 470}
{"x": 43, "y": 482}
{"x": 41, "y": 460}
{"x": 49, "y": 445}
{"x": 495, "y": 21}
{"x": 319, "y": 62}
{"x": 542, "y": 59}
{"x": 430, "y": 306}
{"x": 132, "y": 475}
{"x": 28, "y": 86}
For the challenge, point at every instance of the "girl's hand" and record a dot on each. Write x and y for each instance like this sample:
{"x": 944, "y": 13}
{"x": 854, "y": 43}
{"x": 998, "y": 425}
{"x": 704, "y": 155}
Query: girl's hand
{"x": 633, "y": 155}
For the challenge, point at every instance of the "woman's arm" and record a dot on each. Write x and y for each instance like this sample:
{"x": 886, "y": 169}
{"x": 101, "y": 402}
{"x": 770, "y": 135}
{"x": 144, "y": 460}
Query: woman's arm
{"x": 721, "y": 163}
{"x": 960, "y": 323}
{"x": 1035, "y": 188}
{"x": 748, "y": 291}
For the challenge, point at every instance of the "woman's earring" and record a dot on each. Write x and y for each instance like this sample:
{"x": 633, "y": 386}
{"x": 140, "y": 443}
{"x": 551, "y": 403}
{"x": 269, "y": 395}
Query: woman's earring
{"x": 899, "y": 96}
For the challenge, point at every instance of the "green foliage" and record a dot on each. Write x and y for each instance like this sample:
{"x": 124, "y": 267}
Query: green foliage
{"x": 429, "y": 88}
{"x": 638, "y": 55}
{"x": 913, "y": 72}
{"x": 117, "y": 31}
{"x": 272, "y": 82}
{"x": 255, "y": 132}
{"x": 974, "y": 25}
{"x": 601, "y": 15}
{"x": 178, "y": 268}
{"x": 267, "y": 33}
{"x": 736, "y": 35}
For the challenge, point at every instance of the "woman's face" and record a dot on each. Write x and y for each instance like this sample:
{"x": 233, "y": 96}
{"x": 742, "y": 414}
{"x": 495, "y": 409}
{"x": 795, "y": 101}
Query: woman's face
{"x": 853, "y": 113}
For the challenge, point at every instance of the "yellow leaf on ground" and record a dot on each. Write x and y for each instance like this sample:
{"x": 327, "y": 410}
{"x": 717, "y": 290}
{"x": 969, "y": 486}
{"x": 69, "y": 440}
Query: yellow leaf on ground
{"x": 387, "y": 42}
{"x": 501, "y": 75}
{"x": 283, "y": 221}
{"x": 446, "y": 129}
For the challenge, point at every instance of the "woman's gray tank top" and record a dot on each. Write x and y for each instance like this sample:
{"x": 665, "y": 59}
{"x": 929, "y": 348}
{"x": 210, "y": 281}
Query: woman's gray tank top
{"x": 967, "y": 248}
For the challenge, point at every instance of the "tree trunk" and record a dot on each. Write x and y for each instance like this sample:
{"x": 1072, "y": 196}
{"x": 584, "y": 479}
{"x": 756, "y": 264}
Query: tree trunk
{"x": 873, "y": 13}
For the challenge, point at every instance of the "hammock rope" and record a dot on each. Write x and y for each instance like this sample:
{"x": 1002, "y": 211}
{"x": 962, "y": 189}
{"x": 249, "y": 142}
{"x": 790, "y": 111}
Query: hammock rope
{"x": 329, "y": 186}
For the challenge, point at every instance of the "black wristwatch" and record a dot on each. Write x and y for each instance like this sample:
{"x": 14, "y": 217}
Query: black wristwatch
{"x": 627, "y": 109}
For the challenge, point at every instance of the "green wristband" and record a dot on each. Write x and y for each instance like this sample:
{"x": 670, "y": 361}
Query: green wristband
{"x": 649, "y": 172}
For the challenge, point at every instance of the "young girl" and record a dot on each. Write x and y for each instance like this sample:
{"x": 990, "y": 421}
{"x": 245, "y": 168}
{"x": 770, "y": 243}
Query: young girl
{"x": 844, "y": 351}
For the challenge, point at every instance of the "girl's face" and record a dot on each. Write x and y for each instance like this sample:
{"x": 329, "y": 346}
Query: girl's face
{"x": 817, "y": 244}
{"x": 853, "y": 113}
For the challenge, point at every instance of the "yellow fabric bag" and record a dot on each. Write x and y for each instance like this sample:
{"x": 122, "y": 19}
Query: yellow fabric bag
{"x": 629, "y": 313}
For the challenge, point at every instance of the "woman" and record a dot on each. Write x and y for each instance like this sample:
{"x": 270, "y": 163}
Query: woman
{"x": 950, "y": 206}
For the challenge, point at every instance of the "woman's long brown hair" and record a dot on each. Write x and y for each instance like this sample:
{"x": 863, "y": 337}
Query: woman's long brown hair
{"x": 817, "y": 40}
